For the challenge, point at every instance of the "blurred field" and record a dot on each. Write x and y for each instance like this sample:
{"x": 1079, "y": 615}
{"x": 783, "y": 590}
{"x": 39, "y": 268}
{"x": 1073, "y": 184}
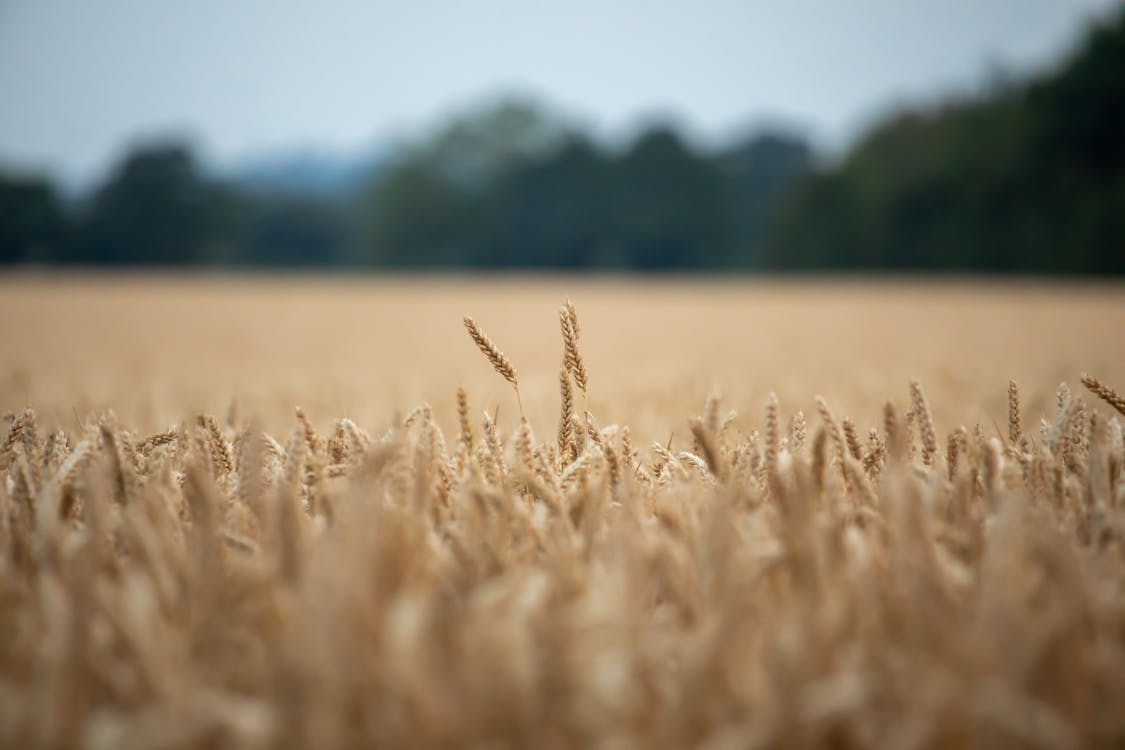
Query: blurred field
{"x": 160, "y": 349}
{"x": 430, "y": 582}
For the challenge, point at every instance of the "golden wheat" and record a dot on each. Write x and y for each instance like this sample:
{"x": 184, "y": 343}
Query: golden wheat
{"x": 1105, "y": 393}
{"x": 208, "y": 586}
{"x": 921, "y": 410}
{"x": 568, "y": 321}
{"x": 566, "y": 416}
{"x": 500, "y": 363}
{"x": 464, "y": 418}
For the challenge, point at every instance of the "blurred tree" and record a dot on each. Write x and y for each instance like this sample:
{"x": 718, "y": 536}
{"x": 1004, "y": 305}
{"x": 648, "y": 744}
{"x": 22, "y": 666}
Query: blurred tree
{"x": 157, "y": 209}
{"x": 764, "y": 170}
{"x": 556, "y": 212}
{"x": 1026, "y": 177}
{"x": 295, "y": 231}
{"x": 658, "y": 206}
{"x": 417, "y": 218}
{"x": 676, "y": 209}
{"x": 33, "y": 226}
{"x": 478, "y": 147}
{"x": 436, "y": 205}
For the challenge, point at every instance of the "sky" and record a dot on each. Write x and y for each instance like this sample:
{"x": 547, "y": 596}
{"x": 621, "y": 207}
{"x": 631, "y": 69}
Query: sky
{"x": 80, "y": 80}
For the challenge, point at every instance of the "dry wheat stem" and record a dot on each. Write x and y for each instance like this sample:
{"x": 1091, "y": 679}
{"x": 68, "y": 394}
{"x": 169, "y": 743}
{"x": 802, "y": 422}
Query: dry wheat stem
{"x": 566, "y": 415}
{"x": 464, "y": 419}
{"x": 925, "y": 422}
{"x": 1104, "y": 392}
{"x": 499, "y": 362}
{"x": 1014, "y": 428}
{"x": 852, "y": 438}
{"x": 773, "y": 438}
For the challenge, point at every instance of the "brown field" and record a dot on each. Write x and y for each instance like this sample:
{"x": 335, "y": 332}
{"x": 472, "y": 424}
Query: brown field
{"x": 188, "y": 562}
{"x": 158, "y": 350}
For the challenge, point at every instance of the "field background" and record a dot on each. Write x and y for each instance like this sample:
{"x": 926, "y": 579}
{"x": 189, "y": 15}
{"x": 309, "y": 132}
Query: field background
{"x": 159, "y": 349}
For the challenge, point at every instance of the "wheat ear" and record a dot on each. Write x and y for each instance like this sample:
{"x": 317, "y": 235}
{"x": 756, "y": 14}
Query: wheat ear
{"x": 893, "y": 433}
{"x": 568, "y": 322}
{"x": 852, "y": 438}
{"x": 925, "y": 423}
{"x": 1014, "y": 431}
{"x": 834, "y": 432}
{"x": 952, "y": 452}
{"x": 500, "y": 363}
{"x": 1104, "y": 392}
{"x": 309, "y": 433}
{"x": 796, "y": 432}
{"x": 221, "y": 460}
{"x": 873, "y": 459}
{"x": 709, "y": 446}
{"x": 773, "y": 439}
{"x": 566, "y": 414}
{"x": 463, "y": 418}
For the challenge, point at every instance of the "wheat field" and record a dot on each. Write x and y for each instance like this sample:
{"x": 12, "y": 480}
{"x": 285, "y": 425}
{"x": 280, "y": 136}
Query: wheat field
{"x": 561, "y": 512}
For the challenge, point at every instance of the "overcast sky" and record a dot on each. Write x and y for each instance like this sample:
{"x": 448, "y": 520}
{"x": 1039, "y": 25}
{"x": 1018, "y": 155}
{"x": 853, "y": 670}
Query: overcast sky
{"x": 80, "y": 78}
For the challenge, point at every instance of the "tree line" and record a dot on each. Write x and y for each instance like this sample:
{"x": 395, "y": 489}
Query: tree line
{"x": 1026, "y": 177}
{"x": 1030, "y": 177}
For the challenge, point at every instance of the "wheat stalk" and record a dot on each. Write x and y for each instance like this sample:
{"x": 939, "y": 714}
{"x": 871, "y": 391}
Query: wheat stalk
{"x": 838, "y": 443}
{"x": 464, "y": 419}
{"x": 852, "y": 438}
{"x": 796, "y": 432}
{"x": 566, "y": 415}
{"x": 1014, "y": 429}
{"x": 709, "y": 447}
{"x": 499, "y": 362}
{"x": 819, "y": 456}
{"x": 156, "y": 440}
{"x": 572, "y": 357}
{"x": 557, "y": 608}
{"x": 219, "y": 450}
{"x": 773, "y": 437}
{"x": 1104, "y": 392}
{"x": 925, "y": 422}
{"x": 873, "y": 459}
{"x": 309, "y": 433}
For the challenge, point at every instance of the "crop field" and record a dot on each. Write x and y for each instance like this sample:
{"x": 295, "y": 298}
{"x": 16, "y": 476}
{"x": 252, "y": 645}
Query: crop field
{"x": 561, "y": 512}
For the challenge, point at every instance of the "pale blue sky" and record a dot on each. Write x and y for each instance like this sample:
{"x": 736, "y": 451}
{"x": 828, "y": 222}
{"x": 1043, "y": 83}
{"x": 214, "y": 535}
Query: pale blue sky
{"x": 79, "y": 78}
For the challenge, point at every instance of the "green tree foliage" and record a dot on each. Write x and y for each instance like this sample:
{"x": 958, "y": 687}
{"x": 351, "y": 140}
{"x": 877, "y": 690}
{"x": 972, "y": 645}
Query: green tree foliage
{"x": 437, "y": 206}
{"x": 764, "y": 171}
{"x": 675, "y": 207}
{"x": 553, "y": 212}
{"x": 155, "y": 208}
{"x": 421, "y": 218}
{"x": 293, "y": 231}
{"x": 570, "y": 204}
{"x": 1028, "y": 178}
{"x": 33, "y": 225}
